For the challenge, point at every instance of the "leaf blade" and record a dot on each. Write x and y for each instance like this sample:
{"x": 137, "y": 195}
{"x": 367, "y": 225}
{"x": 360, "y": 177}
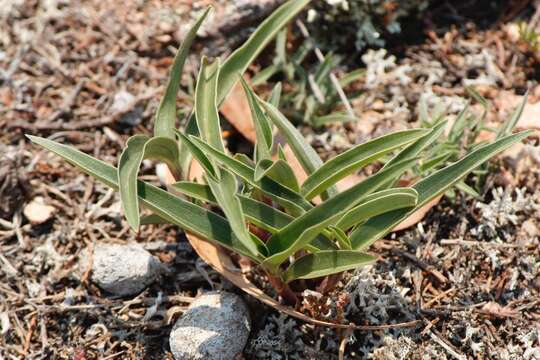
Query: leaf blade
{"x": 325, "y": 263}
{"x": 166, "y": 114}
{"x": 429, "y": 188}
{"x": 353, "y": 159}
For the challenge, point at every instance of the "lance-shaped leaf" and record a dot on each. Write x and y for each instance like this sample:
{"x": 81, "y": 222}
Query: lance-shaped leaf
{"x": 190, "y": 217}
{"x": 238, "y": 62}
{"x": 415, "y": 148}
{"x": 275, "y": 95}
{"x": 355, "y": 158}
{"x": 278, "y": 170}
{"x": 256, "y": 212}
{"x": 325, "y": 263}
{"x": 304, "y": 228}
{"x": 379, "y": 203}
{"x": 264, "y": 144}
{"x": 166, "y": 114}
{"x": 341, "y": 237}
{"x": 283, "y": 195}
{"x": 306, "y": 155}
{"x": 336, "y": 117}
{"x": 141, "y": 147}
{"x": 206, "y": 111}
{"x": 508, "y": 126}
{"x": 224, "y": 192}
{"x": 195, "y": 190}
{"x": 429, "y": 188}
{"x": 200, "y": 156}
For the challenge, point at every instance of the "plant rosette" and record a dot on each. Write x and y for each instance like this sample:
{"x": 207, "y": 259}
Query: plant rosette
{"x": 298, "y": 230}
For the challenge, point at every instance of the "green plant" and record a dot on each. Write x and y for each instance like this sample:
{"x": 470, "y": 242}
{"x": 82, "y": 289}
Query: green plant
{"x": 313, "y": 92}
{"x": 256, "y": 207}
{"x": 462, "y": 137}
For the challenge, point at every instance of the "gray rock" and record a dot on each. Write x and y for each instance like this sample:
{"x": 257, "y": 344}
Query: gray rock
{"x": 124, "y": 269}
{"x": 215, "y": 327}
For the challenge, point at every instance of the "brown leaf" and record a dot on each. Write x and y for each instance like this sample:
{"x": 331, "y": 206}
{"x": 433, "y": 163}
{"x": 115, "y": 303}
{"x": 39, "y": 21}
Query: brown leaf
{"x": 236, "y": 109}
{"x": 221, "y": 262}
{"x": 418, "y": 215}
{"x": 496, "y": 310}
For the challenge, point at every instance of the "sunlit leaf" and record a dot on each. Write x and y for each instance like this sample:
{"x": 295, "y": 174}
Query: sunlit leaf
{"x": 429, "y": 188}
{"x": 185, "y": 214}
{"x": 325, "y": 263}
{"x": 141, "y": 147}
{"x": 304, "y": 228}
{"x": 166, "y": 114}
{"x": 354, "y": 159}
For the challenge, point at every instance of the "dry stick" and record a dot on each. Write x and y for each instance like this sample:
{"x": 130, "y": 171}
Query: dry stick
{"x": 333, "y": 78}
{"x": 481, "y": 244}
{"x": 436, "y": 336}
{"x": 68, "y": 104}
{"x": 421, "y": 264}
{"x": 343, "y": 343}
{"x": 28, "y": 338}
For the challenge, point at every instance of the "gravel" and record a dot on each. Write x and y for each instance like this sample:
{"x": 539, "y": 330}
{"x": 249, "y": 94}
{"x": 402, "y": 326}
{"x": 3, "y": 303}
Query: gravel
{"x": 215, "y": 326}
{"x": 124, "y": 270}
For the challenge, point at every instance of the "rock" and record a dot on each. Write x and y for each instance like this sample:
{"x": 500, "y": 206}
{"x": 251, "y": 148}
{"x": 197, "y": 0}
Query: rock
{"x": 124, "y": 269}
{"x": 215, "y": 326}
{"x": 37, "y": 212}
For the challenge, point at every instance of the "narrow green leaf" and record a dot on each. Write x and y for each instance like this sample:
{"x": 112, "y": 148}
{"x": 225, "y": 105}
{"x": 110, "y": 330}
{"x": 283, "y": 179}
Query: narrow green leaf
{"x": 195, "y": 190}
{"x": 190, "y": 217}
{"x": 325, "y": 263}
{"x": 462, "y": 186}
{"x": 262, "y": 76}
{"x": 141, "y": 147}
{"x": 278, "y": 170}
{"x": 224, "y": 192}
{"x": 354, "y": 159}
{"x": 304, "y": 228}
{"x": 429, "y": 188}
{"x": 416, "y": 148}
{"x": 258, "y": 213}
{"x": 238, "y": 62}
{"x": 263, "y": 130}
{"x": 459, "y": 125}
{"x": 337, "y": 117}
{"x": 199, "y": 155}
{"x": 435, "y": 161}
{"x": 166, "y": 114}
{"x": 508, "y": 126}
{"x": 128, "y": 168}
{"x": 275, "y": 95}
{"x": 308, "y": 157}
{"x": 284, "y": 196}
{"x": 352, "y": 76}
{"x": 206, "y": 112}
{"x": 342, "y": 238}
{"x": 379, "y": 203}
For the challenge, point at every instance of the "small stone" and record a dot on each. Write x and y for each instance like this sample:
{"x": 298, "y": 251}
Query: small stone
{"x": 124, "y": 270}
{"x": 37, "y": 212}
{"x": 216, "y": 326}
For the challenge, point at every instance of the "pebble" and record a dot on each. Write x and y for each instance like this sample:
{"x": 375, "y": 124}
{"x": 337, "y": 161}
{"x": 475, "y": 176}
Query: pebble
{"x": 37, "y": 212}
{"x": 124, "y": 270}
{"x": 216, "y": 326}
